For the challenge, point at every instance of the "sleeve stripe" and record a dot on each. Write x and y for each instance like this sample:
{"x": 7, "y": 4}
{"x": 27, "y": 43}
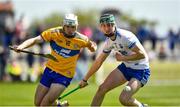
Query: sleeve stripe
{"x": 132, "y": 45}
{"x": 42, "y": 37}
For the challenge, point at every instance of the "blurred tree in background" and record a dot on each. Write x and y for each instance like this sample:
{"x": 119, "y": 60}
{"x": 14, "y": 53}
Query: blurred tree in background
{"x": 87, "y": 18}
{"x": 90, "y": 18}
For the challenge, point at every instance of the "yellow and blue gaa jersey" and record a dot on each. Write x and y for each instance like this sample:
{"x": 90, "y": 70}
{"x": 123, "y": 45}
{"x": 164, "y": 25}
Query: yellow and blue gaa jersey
{"x": 66, "y": 50}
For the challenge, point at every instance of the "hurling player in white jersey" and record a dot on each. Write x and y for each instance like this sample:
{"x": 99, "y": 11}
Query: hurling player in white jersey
{"x": 134, "y": 69}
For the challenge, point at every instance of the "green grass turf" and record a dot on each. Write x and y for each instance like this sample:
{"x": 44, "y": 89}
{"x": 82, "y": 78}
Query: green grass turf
{"x": 154, "y": 95}
{"x": 23, "y": 93}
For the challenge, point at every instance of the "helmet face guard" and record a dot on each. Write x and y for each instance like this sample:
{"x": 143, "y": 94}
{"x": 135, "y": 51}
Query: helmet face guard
{"x": 68, "y": 35}
{"x": 107, "y": 19}
{"x": 70, "y": 20}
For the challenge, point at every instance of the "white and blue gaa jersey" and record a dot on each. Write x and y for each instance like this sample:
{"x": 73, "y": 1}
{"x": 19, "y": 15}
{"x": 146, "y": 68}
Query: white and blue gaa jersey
{"x": 125, "y": 40}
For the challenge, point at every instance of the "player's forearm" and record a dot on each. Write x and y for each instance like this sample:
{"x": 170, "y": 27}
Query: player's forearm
{"x": 27, "y": 43}
{"x": 30, "y": 42}
{"x": 134, "y": 57}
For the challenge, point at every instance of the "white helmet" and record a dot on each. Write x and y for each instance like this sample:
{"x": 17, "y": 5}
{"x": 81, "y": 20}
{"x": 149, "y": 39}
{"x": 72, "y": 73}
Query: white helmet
{"x": 70, "y": 19}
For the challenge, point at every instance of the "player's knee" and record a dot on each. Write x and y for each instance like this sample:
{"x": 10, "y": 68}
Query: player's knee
{"x": 123, "y": 100}
{"x": 103, "y": 89}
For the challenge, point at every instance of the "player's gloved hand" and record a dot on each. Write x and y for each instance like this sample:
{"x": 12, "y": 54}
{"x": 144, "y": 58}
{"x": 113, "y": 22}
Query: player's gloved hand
{"x": 83, "y": 83}
{"x": 16, "y": 48}
{"x": 119, "y": 56}
{"x": 93, "y": 47}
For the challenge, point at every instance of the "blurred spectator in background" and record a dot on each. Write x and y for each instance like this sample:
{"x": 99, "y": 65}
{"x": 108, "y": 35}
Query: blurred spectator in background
{"x": 7, "y": 28}
{"x": 82, "y": 65}
{"x": 172, "y": 40}
{"x": 142, "y": 34}
{"x": 178, "y": 34}
{"x": 178, "y": 38}
{"x": 21, "y": 30}
{"x": 13, "y": 69}
{"x": 162, "y": 53}
{"x": 97, "y": 36}
{"x": 153, "y": 38}
{"x": 86, "y": 31}
{"x": 39, "y": 29}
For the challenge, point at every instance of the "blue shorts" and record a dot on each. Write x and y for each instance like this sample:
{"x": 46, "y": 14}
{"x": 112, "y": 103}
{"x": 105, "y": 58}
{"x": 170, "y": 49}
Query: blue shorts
{"x": 50, "y": 77}
{"x": 142, "y": 75}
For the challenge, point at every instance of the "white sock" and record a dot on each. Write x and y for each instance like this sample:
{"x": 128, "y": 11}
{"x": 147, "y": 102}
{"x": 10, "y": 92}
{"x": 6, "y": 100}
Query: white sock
{"x": 139, "y": 104}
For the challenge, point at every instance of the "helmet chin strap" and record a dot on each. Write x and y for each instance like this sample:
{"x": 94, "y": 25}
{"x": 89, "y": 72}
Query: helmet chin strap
{"x": 109, "y": 35}
{"x": 69, "y": 36}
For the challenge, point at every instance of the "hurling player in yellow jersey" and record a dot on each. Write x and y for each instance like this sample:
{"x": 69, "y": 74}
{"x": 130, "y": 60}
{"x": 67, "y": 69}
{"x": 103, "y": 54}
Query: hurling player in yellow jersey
{"x": 65, "y": 43}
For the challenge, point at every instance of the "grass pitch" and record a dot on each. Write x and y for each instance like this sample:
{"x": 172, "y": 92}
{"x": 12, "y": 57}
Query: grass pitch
{"x": 163, "y": 89}
{"x": 21, "y": 94}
